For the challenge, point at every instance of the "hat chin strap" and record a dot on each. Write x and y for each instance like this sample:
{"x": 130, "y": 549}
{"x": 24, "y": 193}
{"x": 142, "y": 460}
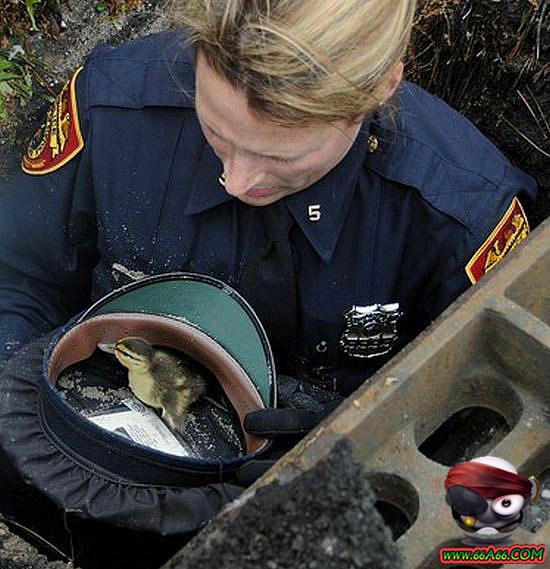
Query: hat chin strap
{"x": 80, "y": 342}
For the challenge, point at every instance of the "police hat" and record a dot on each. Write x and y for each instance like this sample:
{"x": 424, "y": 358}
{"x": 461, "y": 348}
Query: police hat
{"x": 74, "y": 460}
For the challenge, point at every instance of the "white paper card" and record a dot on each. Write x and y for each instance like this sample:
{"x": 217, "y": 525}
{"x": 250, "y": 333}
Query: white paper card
{"x": 141, "y": 425}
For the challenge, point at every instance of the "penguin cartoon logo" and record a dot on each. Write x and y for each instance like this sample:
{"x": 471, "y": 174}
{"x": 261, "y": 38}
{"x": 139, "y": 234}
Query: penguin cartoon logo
{"x": 487, "y": 497}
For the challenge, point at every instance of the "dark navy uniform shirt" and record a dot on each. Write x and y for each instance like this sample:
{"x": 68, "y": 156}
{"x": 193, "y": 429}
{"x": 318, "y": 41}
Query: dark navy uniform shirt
{"x": 397, "y": 224}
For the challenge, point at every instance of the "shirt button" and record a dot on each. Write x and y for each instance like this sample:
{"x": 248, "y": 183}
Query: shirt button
{"x": 321, "y": 347}
{"x": 373, "y": 143}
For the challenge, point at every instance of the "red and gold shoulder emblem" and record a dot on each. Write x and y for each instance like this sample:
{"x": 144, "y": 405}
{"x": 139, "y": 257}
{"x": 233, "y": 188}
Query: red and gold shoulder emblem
{"x": 59, "y": 139}
{"x": 512, "y": 229}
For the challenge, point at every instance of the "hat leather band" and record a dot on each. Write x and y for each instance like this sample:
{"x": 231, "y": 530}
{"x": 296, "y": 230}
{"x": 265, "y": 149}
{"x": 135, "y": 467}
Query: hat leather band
{"x": 81, "y": 341}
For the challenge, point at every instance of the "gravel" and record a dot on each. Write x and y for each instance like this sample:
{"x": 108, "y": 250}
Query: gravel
{"x": 18, "y": 554}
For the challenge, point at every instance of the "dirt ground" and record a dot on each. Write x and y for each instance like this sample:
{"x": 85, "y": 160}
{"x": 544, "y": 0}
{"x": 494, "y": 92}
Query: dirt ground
{"x": 15, "y": 553}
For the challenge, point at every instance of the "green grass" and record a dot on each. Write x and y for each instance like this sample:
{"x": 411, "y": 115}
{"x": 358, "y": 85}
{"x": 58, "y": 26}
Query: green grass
{"x": 30, "y": 5}
{"x": 24, "y": 74}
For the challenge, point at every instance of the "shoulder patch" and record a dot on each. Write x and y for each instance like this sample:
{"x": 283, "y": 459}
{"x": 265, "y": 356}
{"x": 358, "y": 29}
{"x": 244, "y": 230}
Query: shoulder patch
{"x": 512, "y": 229}
{"x": 59, "y": 139}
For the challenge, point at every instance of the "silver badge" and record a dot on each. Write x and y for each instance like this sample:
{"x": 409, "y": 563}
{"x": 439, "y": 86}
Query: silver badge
{"x": 370, "y": 330}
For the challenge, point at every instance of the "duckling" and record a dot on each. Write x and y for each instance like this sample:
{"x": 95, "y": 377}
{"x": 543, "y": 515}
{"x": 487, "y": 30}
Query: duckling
{"x": 159, "y": 378}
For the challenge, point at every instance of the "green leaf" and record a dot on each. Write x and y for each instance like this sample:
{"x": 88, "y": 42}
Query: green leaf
{"x": 3, "y": 113}
{"x": 6, "y": 90}
{"x": 30, "y": 4}
{"x": 8, "y": 76}
{"x": 101, "y": 7}
{"x": 5, "y": 64}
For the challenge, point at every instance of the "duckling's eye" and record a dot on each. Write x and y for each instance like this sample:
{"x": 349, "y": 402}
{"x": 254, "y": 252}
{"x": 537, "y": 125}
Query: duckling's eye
{"x": 127, "y": 354}
{"x": 508, "y": 505}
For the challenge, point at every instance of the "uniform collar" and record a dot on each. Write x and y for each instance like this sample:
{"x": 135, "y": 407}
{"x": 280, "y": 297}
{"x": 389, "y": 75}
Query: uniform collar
{"x": 320, "y": 210}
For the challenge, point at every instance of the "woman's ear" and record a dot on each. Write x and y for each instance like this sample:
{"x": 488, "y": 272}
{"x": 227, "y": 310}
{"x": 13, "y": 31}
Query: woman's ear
{"x": 394, "y": 79}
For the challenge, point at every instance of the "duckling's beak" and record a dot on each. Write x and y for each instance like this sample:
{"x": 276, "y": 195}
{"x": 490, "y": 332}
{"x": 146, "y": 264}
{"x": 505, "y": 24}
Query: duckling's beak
{"x": 109, "y": 348}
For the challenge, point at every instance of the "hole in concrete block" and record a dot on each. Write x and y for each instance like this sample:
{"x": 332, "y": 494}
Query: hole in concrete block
{"x": 396, "y": 501}
{"x": 394, "y": 517}
{"x": 523, "y": 359}
{"x": 471, "y": 432}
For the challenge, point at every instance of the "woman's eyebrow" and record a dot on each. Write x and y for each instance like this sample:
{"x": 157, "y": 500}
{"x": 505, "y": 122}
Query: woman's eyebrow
{"x": 270, "y": 156}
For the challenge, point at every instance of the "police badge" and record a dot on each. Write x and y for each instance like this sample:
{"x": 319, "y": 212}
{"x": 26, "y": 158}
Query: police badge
{"x": 370, "y": 330}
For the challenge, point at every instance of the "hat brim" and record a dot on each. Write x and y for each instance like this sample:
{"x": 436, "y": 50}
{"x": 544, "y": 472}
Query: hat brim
{"x": 210, "y": 306}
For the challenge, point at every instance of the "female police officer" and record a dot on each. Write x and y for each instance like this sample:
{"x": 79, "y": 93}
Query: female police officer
{"x": 274, "y": 148}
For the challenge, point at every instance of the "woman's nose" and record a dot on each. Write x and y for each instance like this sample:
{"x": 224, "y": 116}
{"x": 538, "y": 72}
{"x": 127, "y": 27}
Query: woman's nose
{"x": 241, "y": 174}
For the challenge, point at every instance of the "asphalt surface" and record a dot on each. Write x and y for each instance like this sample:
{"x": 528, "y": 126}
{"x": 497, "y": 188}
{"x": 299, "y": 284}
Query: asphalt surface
{"x": 323, "y": 519}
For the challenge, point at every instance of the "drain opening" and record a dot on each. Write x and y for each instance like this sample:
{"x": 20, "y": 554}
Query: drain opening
{"x": 472, "y": 432}
{"x": 396, "y": 501}
{"x": 394, "y": 517}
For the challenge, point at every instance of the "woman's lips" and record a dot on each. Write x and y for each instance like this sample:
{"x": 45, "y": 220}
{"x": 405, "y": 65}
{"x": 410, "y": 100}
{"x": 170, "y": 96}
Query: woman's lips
{"x": 261, "y": 192}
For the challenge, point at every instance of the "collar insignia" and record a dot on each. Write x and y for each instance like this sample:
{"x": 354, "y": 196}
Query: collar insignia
{"x": 370, "y": 330}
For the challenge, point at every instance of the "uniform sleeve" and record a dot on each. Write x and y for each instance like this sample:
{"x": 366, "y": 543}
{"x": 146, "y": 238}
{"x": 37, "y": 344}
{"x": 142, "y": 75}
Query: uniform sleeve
{"x": 47, "y": 227}
{"x": 477, "y": 250}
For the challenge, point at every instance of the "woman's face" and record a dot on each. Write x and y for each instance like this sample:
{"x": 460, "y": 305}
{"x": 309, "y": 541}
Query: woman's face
{"x": 263, "y": 161}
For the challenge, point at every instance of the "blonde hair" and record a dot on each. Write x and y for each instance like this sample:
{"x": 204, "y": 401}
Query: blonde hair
{"x": 302, "y": 61}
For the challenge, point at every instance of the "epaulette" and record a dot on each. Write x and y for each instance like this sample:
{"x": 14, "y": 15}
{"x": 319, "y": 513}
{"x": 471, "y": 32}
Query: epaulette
{"x": 153, "y": 71}
{"x": 429, "y": 146}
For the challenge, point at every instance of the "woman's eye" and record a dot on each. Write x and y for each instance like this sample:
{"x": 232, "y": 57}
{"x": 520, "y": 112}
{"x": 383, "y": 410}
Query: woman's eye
{"x": 213, "y": 133}
{"x": 508, "y": 505}
{"x": 284, "y": 160}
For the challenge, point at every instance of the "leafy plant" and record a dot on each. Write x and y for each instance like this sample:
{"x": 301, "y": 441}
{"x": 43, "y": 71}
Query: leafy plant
{"x": 15, "y": 82}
